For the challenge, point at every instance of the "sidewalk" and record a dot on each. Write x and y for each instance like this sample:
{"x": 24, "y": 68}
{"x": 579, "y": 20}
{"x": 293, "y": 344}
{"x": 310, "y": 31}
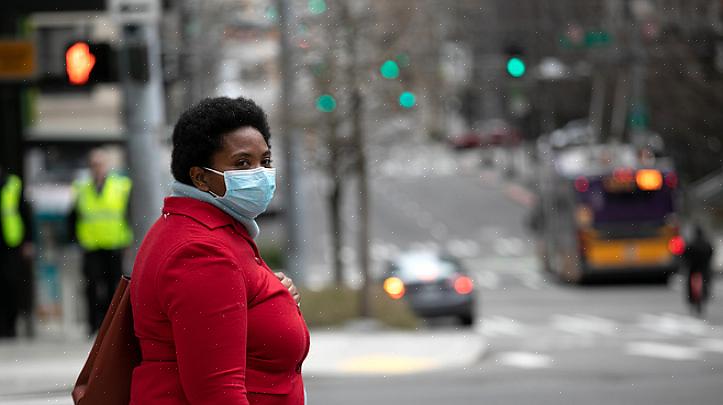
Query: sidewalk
{"x": 47, "y": 367}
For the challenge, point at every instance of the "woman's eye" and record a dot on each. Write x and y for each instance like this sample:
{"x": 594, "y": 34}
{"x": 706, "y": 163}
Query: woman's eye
{"x": 267, "y": 162}
{"x": 242, "y": 163}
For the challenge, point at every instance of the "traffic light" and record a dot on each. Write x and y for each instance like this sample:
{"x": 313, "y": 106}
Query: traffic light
{"x": 389, "y": 69}
{"x": 326, "y": 103}
{"x": 317, "y": 6}
{"x": 89, "y": 63}
{"x": 407, "y": 99}
{"x": 515, "y": 62}
{"x": 516, "y": 66}
{"x": 79, "y": 62}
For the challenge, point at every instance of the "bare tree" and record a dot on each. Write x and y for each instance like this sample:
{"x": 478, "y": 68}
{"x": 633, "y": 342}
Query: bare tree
{"x": 348, "y": 44}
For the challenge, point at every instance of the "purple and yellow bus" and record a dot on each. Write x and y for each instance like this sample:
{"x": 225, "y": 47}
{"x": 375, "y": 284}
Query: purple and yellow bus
{"x": 604, "y": 213}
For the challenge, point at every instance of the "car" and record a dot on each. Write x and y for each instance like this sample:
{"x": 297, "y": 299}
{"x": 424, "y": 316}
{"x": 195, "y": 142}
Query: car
{"x": 468, "y": 140}
{"x": 432, "y": 284}
{"x": 490, "y": 133}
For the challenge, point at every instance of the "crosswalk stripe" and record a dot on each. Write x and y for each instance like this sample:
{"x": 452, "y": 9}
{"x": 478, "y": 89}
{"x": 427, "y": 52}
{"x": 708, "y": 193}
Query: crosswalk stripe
{"x": 674, "y": 324}
{"x": 662, "y": 350}
{"x": 524, "y": 360}
{"x": 500, "y": 326}
{"x": 582, "y": 324}
{"x": 711, "y": 345}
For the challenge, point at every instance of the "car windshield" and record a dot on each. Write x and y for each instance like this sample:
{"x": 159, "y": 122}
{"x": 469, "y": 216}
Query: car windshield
{"x": 425, "y": 267}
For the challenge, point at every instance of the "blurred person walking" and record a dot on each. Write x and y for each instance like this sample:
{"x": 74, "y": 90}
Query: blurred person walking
{"x": 16, "y": 251}
{"x": 697, "y": 256}
{"x": 215, "y": 325}
{"x": 100, "y": 225}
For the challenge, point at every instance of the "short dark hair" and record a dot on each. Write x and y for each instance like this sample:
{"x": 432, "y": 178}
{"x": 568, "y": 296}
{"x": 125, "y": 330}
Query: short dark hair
{"x": 199, "y": 132}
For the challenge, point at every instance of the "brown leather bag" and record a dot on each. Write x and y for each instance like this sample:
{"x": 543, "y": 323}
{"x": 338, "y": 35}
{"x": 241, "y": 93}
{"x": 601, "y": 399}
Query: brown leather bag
{"x": 106, "y": 376}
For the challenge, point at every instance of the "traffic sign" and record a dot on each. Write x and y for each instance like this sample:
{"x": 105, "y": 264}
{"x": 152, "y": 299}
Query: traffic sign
{"x": 17, "y": 60}
{"x": 134, "y": 11}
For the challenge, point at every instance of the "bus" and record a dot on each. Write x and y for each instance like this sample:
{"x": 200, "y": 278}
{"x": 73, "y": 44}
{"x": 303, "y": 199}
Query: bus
{"x": 607, "y": 209}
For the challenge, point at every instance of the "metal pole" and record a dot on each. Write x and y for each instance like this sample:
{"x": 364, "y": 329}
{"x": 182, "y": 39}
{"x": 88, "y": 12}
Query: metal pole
{"x": 295, "y": 258}
{"x": 143, "y": 115}
{"x": 637, "y": 73}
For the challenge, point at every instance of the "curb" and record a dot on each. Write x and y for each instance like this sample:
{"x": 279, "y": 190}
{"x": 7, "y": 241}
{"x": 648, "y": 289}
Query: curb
{"x": 29, "y": 368}
{"x": 336, "y": 354}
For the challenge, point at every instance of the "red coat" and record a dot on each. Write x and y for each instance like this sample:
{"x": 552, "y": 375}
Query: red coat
{"x": 214, "y": 323}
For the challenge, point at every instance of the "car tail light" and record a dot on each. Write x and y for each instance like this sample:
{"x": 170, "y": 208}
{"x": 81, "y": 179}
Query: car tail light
{"x": 463, "y": 285}
{"x": 676, "y": 245}
{"x": 671, "y": 180}
{"x": 394, "y": 287}
{"x": 649, "y": 179}
{"x": 582, "y": 184}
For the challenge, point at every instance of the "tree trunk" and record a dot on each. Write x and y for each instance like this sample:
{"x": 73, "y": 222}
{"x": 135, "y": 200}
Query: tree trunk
{"x": 364, "y": 237}
{"x": 336, "y": 239}
{"x": 335, "y": 199}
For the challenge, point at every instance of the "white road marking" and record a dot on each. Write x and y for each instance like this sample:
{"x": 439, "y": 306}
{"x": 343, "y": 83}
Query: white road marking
{"x": 525, "y": 360}
{"x": 463, "y": 248}
{"x": 675, "y": 325}
{"x": 532, "y": 280}
{"x": 429, "y": 245}
{"x": 509, "y": 246}
{"x": 711, "y": 345}
{"x": 582, "y": 324}
{"x": 487, "y": 279}
{"x": 662, "y": 351}
{"x": 500, "y": 326}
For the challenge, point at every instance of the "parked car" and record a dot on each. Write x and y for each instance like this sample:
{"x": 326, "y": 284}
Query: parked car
{"x": 432, "y": 284}
{"x": 487, "y": 134}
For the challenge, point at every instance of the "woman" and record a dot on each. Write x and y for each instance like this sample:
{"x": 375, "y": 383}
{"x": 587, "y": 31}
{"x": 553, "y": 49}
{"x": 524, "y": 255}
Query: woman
{"x": 215, "y": 325}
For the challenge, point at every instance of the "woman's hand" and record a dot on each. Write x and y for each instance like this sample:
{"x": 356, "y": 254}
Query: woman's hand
{"x": 289, "y": 284}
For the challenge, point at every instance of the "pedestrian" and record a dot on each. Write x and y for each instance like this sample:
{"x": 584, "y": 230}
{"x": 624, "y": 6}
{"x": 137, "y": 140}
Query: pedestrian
{"x": 99, "y": 222}
{"x": 16, "y": 251}
{"x": 215, "y": 325}
{"x": 697, "y": 255}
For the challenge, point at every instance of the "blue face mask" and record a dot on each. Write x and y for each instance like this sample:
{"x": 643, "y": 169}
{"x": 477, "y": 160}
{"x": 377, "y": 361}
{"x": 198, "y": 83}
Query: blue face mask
{"x": 248, "y": 192}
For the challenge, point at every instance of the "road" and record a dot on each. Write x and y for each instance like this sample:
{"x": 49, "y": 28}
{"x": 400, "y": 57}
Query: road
{"x": 534, "y": 340}
{"x": 547, "y": 343}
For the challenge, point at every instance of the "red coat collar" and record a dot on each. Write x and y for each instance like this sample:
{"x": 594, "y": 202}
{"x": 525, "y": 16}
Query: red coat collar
{"x": 202, "y": 212}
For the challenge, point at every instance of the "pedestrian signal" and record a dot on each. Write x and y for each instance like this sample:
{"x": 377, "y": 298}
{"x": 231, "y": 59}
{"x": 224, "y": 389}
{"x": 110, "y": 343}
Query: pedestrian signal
{"x": 79, "y": 62}
{"x": 89, "y": 63}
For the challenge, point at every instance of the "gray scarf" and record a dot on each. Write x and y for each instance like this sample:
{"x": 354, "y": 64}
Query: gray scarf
{"x": 179, "y": 189}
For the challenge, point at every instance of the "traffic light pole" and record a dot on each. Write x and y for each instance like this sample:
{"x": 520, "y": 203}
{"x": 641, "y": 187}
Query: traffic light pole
{"x": 11, "y": 122}
{"x": 290, "y": 138}
{"x": 141, "y": 80}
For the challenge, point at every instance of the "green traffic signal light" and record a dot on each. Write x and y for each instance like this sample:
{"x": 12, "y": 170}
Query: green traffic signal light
{"x": 389, "y": 69}
{"x": 407, "y": 99}
{"x": 317, "y": 6}
{"x": 326, "y": 103}
{"x": 516, "y": 67}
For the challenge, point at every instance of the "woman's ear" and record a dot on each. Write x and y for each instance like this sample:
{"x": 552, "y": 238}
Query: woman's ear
{"x": 198, "y": 178}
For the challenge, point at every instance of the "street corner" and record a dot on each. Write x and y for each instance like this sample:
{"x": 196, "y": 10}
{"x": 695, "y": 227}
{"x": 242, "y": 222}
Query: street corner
{"x": 387, "y": 364}
{"x": 336, "y": 353}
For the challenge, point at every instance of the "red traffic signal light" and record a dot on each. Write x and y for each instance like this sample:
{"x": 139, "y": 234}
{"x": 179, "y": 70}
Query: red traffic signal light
{"x": 89, "y": 63}
{"x": 79, "y": 62}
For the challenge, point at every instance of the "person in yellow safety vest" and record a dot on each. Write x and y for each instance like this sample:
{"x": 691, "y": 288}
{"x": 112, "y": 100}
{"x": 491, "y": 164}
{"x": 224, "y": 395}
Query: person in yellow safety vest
{"x": 16, "y": 250}
{"x": 100, "y": 225}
